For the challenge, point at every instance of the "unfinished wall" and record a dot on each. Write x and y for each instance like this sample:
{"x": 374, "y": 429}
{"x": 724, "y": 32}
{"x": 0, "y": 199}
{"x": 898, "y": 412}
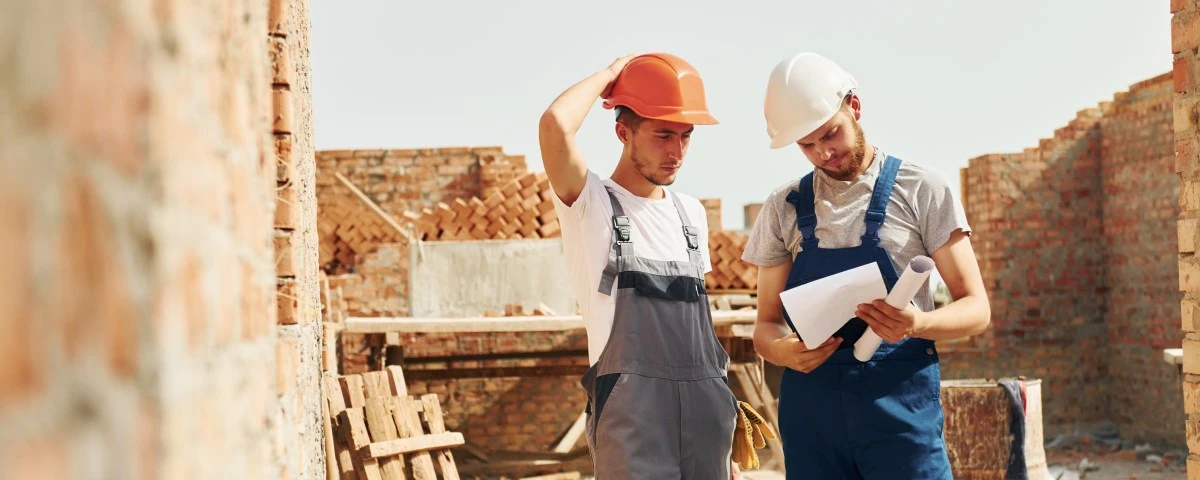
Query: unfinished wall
{"x": 1141, "y": 282}
{"x": 298, "y": 351}
{"x": 138, "y": 288}
{"x": 1185, "y": 39}
{"x": 1074, "y": 243}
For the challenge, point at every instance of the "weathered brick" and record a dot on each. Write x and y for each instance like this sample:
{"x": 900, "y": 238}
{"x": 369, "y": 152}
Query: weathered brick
{"x": 287, "y": 363}
{"x": 283, "y": 110}
{"x": 1177, "y": 5}
{"x": 1185, "y": 33}
{"x": 285, "y": 255}
{"x": 287, "y": 207}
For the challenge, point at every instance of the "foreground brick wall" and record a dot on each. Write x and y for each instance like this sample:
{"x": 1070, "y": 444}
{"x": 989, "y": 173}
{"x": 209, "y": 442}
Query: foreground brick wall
{"x": 138, "y": 289}
{"x": 298, "y": 333}
{"x": 1185, "y": 39}
{"x": 1075, "y": 245}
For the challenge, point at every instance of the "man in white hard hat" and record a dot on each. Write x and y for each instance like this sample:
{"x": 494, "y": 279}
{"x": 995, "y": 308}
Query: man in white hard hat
{"x": 841, "y": 418}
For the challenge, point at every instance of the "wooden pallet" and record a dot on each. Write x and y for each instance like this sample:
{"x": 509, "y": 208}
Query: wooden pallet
{"x": 376, "y": 431}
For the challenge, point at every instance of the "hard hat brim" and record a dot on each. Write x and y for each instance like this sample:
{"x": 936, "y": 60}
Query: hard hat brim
{"x": 789, "y": 137}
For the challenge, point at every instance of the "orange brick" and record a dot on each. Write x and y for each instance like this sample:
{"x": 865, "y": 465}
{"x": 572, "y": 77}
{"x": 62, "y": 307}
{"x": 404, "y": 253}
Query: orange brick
{"x": 277, "y": 15}
{"x": 287, "y": 207}
{"x": 282, "y": 110}
{"x": 288, "y": 300}
{"x": 284, "y": 166}
{"x": 285, "y": 257}
{"x": 287, "y": 365}
{"x": 282, "y": 72}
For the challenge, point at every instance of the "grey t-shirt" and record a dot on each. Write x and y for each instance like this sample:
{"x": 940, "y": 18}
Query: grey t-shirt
{"x": 921, "y": 215}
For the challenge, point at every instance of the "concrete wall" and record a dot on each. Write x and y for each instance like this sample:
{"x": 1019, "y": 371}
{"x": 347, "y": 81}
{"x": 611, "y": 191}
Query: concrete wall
{"x": 1075, "y": 245}
{"x": 139, "y": 188}
{"x": 464, "y": 279}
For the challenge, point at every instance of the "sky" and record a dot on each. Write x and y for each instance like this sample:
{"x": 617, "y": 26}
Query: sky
{"x": 941, "y": 81}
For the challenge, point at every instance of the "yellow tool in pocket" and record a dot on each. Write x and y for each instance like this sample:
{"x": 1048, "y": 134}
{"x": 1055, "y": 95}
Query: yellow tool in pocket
{"x": 750, "y": 434}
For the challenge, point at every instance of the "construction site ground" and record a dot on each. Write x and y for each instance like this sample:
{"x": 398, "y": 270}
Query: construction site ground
{"x": 1118, "y": 465}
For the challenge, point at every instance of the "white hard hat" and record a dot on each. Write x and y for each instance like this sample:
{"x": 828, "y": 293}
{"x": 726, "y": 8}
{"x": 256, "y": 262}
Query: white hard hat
{"x": 804, "y": 92}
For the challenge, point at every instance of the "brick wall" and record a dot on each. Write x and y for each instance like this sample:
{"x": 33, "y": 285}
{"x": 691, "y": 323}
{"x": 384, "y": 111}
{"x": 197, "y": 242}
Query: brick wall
{"x": 1140, "y": 273}
{"x": 1185, "y": 39}
{"x": 399, "y": 180}
{"x": 138, "y": 288}
{"x": 298, "y": 333}
{"x": 1074, "y": 246}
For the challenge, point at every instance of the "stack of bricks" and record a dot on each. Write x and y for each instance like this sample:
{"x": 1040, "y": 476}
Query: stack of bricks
{"x": 729, "y": 272}
{"x": 1073, "y": 242}
{"x": 712, "y": 211}
{"x": 521, "y": 208}
{"x": 351, "y": 225}
{"x": 1185, "y": 40}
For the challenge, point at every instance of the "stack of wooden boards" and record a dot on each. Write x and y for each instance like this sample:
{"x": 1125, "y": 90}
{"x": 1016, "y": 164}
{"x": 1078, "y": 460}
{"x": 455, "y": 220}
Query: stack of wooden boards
{"x": 376, "y": 431}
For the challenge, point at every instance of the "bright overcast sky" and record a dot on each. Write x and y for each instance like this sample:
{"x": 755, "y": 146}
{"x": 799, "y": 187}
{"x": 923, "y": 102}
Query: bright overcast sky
{"x": 942, "y": 81}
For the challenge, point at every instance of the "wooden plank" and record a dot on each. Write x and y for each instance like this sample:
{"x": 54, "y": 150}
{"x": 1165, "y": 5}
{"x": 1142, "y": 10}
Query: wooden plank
{"x": 377, "y": 385}
{"x": 572, "y": 436}
{"x": 331, "y": 460}
{"x": 354, "y": 433}
{"x": 423, "y": 375}
{"x": 352, "y": 386}
{"x": 556, "y": 476}
{"x": 408, "y": 424}
{"x": 423, "y": 443}
{"x": 396, "y": 376}
{"x": 531, "y": 323}
{"x": 382, "y": 429}
{"x": 336, "y": 401}
{"x": 437, "y": 426}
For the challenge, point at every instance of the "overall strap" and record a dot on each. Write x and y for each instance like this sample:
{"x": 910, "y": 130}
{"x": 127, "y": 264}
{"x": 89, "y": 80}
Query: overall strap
{"x": 690, "y": 233}
{"x": 622, "y": 244}
{"x": 882, "y": 192}
{"x": 806, "y": 216}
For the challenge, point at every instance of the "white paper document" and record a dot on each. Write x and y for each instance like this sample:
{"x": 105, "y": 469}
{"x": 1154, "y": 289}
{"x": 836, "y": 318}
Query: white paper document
{"x": 819, "y": 308}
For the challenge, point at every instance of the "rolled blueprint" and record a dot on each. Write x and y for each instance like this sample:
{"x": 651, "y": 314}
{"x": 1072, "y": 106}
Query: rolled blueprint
{"x": 906, "y": 288}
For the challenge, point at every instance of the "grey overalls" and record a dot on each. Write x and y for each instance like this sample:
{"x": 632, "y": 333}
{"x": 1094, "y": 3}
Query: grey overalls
{"x": 659, "y": 406}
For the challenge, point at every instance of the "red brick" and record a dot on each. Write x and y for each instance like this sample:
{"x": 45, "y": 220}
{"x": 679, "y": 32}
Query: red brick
{"x": 285, "y": 256}
{"x": 1177, "y": 5}
{"x": 283, "y": 110}
{"x": 277, "y": 17}
{"x": 1180, "y": 75}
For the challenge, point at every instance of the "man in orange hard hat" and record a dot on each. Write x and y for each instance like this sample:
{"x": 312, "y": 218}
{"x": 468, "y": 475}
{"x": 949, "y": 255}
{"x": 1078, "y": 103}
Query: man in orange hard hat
{"x": 659, "y": 405}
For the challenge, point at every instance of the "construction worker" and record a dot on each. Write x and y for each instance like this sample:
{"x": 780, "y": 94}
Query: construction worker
{"x": 659, "y": 405}
{"x": 840, "y": 418}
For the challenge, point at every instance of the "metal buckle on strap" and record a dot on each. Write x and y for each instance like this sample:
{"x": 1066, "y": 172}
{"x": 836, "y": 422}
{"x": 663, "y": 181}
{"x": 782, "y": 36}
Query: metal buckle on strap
{"x": 693, "y": 237}
{"x": 621, "y": 225}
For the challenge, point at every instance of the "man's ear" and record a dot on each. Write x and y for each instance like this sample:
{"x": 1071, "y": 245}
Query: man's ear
{"x": 856, "y": 106}
{"x": 623, "y": 132}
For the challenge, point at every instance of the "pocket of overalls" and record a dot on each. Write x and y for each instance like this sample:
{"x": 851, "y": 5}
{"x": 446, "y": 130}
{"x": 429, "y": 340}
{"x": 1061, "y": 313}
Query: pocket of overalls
{"x": 669, "y": 287}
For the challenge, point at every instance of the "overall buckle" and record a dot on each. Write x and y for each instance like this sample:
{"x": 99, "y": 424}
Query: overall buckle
{"x": 693, "y": 237}
{"x": 622, "y": 225}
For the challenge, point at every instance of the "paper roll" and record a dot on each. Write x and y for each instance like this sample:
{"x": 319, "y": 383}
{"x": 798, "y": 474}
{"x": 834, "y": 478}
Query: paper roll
{"x": 906, "y": 288}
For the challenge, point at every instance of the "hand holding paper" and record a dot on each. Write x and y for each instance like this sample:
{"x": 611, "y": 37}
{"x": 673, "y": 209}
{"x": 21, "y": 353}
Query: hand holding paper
{"x": 819, "y": 308}
{"x": 906, "y": 288}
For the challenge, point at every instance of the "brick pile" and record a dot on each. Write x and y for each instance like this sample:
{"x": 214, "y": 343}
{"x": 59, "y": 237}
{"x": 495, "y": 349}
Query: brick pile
{"x": 1073, "y": 241}
{"x": 521, "y": 208}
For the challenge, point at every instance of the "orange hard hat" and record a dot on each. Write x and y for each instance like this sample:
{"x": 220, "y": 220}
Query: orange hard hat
{"x": 661, "y": 86}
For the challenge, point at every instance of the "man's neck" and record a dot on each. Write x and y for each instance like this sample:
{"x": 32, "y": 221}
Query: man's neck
{"x": 635, "y": 183}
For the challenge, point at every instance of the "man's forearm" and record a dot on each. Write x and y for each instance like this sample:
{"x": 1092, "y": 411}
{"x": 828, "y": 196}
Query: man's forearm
{"x": 964, "y": 317}
{"x": 573, "y": 105}
{"x": 766, "y": 332}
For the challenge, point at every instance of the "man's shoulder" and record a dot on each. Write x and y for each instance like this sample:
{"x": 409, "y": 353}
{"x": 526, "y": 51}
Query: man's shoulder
{"x": 917, "y": 172}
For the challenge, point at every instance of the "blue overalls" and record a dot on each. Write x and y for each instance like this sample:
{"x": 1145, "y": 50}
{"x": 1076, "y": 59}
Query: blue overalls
{"x": 880, "y": 419}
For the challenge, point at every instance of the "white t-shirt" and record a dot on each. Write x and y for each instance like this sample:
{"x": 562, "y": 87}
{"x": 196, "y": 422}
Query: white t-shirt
{"x": 586, "y": 228}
